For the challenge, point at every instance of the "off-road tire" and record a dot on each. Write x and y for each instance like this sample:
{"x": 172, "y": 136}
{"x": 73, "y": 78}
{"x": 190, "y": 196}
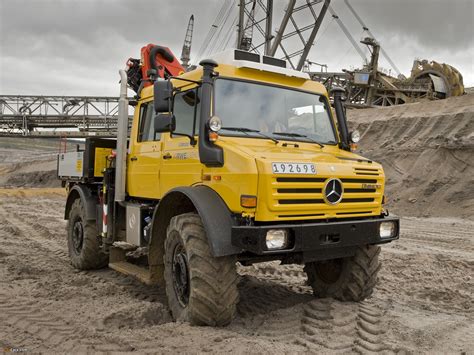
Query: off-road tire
{"x": 88, "y": 255}
{"x": 346, "y": 279}
{"x": 213, "y": 294}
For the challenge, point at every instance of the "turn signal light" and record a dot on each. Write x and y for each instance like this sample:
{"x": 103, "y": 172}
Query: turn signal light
{"x": 248, "y": 201}
{"x": 213, "y": 136}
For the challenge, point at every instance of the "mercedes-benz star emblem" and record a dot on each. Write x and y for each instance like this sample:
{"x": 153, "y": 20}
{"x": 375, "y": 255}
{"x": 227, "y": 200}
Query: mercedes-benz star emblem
{"x": 333, "y": 191}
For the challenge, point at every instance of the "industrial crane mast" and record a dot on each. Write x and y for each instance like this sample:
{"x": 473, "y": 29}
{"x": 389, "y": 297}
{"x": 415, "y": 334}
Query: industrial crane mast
{"x": 186, "y": 52}
{"x": 273, "y": 44}
{"x": 245, "y": 34}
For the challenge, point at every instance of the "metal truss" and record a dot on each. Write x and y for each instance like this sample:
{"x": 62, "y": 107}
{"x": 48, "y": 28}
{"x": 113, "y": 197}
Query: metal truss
{"x": 255, "y": 30}
{"x": 77, "y": 116}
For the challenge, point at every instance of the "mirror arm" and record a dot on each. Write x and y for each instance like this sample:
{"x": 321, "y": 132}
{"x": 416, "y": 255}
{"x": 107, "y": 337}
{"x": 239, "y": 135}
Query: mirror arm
{"x": 192, "y": 140}
{"x": 199, "y": 82}
{"x": 171, "y": 97}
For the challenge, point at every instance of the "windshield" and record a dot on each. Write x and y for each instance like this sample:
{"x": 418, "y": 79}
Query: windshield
{"x": 278, "y": 112}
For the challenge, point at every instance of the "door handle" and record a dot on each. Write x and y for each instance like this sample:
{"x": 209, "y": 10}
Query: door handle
{"x": 167, "y": 156}
{"x": 133, "y": 158}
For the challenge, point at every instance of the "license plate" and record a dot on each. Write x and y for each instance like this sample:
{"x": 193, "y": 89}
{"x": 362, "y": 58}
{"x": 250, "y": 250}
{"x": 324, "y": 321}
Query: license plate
{"x": 293, "y": 168}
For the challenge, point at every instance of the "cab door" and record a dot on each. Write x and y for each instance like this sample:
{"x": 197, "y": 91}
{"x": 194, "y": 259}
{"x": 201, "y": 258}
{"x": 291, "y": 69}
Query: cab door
{"x": 180, "y": 163}
{"x": 144, "y": 158}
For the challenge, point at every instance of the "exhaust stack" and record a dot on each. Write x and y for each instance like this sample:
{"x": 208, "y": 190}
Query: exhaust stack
{"x": 122, "y": 131}
{"x": 337, "y": 93}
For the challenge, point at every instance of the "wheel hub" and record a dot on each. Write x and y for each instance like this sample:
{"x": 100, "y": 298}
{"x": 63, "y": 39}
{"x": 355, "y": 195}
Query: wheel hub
{"x": 329, "y": 271}
{"x": 77, "y": 236}
{"x": 181, "y": 275}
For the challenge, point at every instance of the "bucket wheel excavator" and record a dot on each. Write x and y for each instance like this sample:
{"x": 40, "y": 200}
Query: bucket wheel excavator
{"x": 370, "y": 86}
{"x": 446, "y": 80}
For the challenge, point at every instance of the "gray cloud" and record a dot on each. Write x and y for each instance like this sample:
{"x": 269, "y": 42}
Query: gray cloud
{"x": 435, "y": 23}
{"x": 76, "y": 47}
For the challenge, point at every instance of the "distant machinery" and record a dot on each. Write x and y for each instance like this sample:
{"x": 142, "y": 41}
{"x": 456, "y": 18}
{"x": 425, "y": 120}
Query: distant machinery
{"x": 263, "y": 40}
{"x": 370, "y": 86}
{"x": 78, "y": 116}
{"x": 85, "y": 116}
{"x": 365, "y": 87}
{"x": 49, "y": 116}
{"x": 186, "y": 52}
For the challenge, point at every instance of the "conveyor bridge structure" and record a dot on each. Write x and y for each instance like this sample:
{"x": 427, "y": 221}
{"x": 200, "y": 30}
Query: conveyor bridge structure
{"x": 58, "y": 116}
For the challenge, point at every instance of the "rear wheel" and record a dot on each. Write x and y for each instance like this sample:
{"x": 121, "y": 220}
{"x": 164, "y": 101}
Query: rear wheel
{"x": 201, "y": 289}
{"x": 346, "y": 279}
{"x": 83, "y": 240}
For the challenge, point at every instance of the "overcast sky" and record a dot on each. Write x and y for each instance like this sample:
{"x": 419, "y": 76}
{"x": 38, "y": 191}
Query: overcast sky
{"x": 72, "y": 47}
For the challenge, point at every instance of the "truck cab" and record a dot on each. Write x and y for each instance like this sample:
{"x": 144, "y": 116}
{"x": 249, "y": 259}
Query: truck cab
{"x": 240, "y": 159}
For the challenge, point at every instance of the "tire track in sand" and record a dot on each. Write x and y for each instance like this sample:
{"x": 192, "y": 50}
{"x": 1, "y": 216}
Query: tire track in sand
{"x": 343, "y": 327}
{"x": 315, "y": 324}
{"x": 56, "y": 251}
{"x": 26, "y": 320}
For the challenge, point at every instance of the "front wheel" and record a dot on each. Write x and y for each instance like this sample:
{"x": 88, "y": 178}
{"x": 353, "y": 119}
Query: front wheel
{"x": 346, "y": 279}
{"x": 201, "y": 289}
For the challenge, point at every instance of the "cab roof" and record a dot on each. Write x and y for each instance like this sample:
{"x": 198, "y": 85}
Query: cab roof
{"x": 235, "y": 64}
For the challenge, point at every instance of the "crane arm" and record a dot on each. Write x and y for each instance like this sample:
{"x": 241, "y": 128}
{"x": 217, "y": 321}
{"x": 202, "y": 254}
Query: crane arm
{"x": 348, "y": 34}
{"x": 356, "y": 15}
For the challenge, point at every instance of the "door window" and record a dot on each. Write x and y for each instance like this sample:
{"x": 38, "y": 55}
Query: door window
{"x": 146, "y": 128}
{"x": 185, "y": 108}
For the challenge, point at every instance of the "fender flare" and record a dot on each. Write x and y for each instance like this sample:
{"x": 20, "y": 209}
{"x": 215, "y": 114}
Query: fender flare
{"x": 215, "y": 215}
{"x": 88, "y": 200}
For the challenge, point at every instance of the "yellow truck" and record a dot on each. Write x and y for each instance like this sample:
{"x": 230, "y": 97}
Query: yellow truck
{"x": 239, "y": 160}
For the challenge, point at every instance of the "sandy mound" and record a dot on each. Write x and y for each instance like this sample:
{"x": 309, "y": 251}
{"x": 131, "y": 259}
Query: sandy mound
{"x": 427, "y": 151}
{"x": 28, "y": 162}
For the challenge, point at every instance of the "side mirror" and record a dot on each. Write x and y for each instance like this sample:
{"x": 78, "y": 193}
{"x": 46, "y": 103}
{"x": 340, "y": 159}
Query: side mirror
{"x": 165, "y": 122}
{"x": 162, "y": 92}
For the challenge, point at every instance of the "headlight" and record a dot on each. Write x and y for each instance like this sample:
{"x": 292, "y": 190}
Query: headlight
{"x": 215, "y": 124}
{"x": 277, "y": 239}
{"x": 387, "y": 229}
{"x": 355, "y": 136}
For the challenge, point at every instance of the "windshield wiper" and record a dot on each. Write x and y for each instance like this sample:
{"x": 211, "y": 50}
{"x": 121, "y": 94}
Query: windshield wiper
{"x": 288, "y": 134}
{"x": 248, "y": 130}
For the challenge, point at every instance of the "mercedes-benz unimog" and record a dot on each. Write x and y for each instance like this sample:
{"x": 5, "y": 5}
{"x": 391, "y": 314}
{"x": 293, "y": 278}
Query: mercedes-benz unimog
{"x": 239, "y": 160}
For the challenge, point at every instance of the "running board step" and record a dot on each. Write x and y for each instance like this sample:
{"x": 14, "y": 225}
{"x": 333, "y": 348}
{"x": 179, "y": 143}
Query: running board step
{"x": 130, "y": 269}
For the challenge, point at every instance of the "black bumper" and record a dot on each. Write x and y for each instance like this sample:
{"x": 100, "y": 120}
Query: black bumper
{"x": 317, "y": 241}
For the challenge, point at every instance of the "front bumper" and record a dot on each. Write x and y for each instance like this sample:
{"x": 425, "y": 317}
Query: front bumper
{"x": 317, "y": 241}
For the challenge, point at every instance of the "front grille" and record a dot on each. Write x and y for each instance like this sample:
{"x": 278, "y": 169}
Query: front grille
{"x": 302, "y": 197}
{"x": 303, "y": 201}
{"x": 367, "y": 171}
{"x": 361, "y": 181}
{"x": 299, "y": 191}
{"x": 363, "y": 191}
{"x": 354, "y": 200}
{"x": 352, "y": 213}
{"x": 299, "y": 179}
{"x": 299, "y": 201}
{"x": 314, "y": 215}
